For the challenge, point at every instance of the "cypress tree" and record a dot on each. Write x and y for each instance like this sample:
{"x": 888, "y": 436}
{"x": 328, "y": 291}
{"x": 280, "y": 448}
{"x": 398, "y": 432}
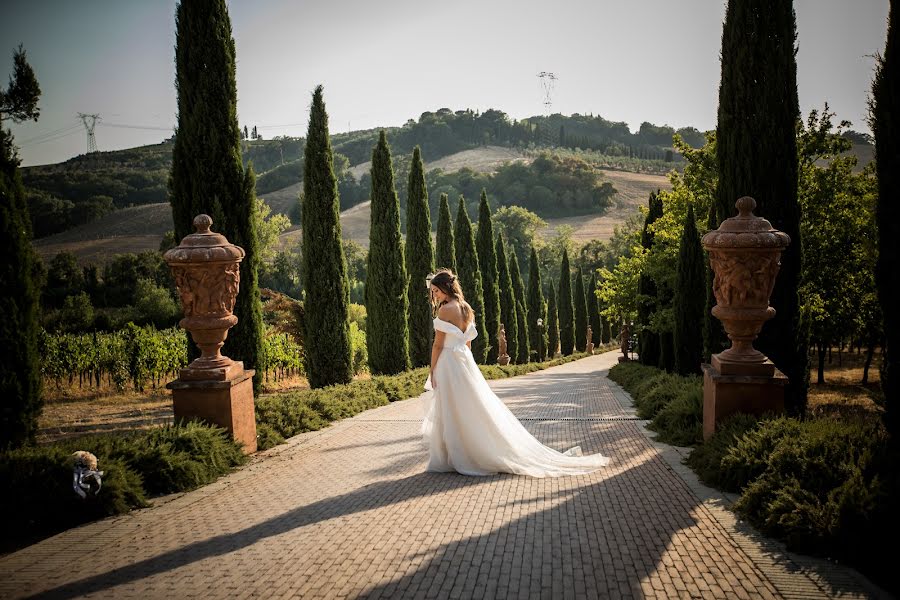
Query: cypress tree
{"x": 487, "y": 261}
{"x": 566, "y": 307}
{"x": 522, "y": 318}
{"x": 326, "y": 323}
{"x": 593, "y": 305}
{"x": 649, "y": 342}
{"x": 387, "y": 336}
{"x": 508, "y": 313}
{"x": 419, "y": 263}
{"x": 207, "y": 174}
{"x": 444, "y": 246}
{"x": 884, "y": 108}
{"x": 581, "y": 316}
{"x": 524, "y": 346}
{"x": 552, "y": 323}
{"x": 757, "y": 156}
{"x": 470, "y": 277}
{"x": 690, "y": 287}
{"x": 20, "y": 362}
{"x": 537, "y": 339}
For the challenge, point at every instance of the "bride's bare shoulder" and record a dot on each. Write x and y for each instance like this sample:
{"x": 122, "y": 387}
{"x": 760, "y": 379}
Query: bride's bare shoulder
{"x": 450, "y": 312}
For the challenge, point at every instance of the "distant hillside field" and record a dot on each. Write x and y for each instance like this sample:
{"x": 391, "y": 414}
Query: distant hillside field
{"x": 142, "y": 228}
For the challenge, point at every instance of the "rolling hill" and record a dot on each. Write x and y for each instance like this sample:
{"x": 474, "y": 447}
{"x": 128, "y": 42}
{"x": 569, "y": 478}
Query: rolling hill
{"x": 141, "y": 228}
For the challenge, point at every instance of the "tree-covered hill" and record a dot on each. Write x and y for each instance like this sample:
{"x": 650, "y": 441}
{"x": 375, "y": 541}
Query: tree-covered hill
{"x": 87, "y": 187}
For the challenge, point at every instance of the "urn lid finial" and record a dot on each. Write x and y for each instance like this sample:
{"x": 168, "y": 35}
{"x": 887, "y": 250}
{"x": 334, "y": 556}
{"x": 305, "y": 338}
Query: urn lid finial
{"x": 202, "y": 223}
{"x": 204, "y": 246}
{"x": 746, "y": 230}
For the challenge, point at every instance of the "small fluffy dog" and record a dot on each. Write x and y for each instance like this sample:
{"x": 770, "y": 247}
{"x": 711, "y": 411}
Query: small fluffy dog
{"x": 86, "y": 479}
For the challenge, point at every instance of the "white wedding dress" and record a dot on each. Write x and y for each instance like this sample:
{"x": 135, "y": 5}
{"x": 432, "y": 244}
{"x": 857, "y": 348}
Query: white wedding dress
{"x": 468, "y": 429}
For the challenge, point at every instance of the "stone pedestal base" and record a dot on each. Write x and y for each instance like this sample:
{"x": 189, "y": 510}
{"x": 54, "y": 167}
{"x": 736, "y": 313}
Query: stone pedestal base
{"x": 624, "y": 359}
{"x": 228, "y": 404}
{"x": 724, "y": 395}
{"x": 503, "y": 360}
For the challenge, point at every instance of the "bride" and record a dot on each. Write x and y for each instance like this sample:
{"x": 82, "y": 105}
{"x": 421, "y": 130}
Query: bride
{"x": 467, "y": 427}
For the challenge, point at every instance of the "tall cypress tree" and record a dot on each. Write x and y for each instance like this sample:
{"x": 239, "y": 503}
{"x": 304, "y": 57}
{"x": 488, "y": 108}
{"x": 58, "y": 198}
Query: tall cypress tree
{"x": 649, "y": 342}
{"x": 581, "y": 315}
{"x": 487, "y": 261}
{"x": 419, "y": 263}
{"x": 387, "y": 336}
{"x": 593, "y": 305}
{"x": 326, "y": 324}
{"x": 537, "y": 338}
{"x": 757, "y": 156}
{"x": 523, "y": 350}
{"x": 470, "y": 278}
{"x": 884, "y": 108}
{"x": 521, "y": 317}
{"x": 20, "y": 363}
{"x": 207, "y": 174}
{"x": 690, "y": 289}
{"x": 552, "y": 323}
{"x": 508, "y": 314}
{"x": 445, "y": 247}
{"x": 566, "y": 307}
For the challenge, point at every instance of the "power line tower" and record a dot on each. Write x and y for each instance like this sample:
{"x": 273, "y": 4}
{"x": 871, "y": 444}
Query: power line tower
{"x": 90, "y": 121}
{"x": 548, "y": 80}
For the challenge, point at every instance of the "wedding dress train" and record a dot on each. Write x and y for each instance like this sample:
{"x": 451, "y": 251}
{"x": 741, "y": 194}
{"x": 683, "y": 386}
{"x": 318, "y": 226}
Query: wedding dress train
{"x": 468, "y": 429}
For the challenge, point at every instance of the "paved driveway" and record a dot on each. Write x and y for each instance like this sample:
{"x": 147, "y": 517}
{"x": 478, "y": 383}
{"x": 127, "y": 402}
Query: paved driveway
{"x": 350, "y": 512}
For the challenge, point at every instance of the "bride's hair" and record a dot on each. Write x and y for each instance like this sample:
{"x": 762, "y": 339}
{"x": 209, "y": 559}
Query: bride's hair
{"x": 447, "y": 282}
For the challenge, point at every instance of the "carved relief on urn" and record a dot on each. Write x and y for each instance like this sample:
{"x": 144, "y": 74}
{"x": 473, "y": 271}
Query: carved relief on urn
{"x": 745, "y": 256}
{"x": 206, "y": 268}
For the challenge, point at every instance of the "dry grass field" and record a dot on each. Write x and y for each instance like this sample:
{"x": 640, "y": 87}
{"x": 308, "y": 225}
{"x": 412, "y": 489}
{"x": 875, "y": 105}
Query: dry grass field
{"x": 633, "y": 190}
{"x": 141, "y": 228}
{"x": 843, "y": 391}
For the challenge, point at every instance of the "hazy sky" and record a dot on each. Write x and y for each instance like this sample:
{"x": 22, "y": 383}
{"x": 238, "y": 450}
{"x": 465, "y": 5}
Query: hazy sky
{"x": 383, "y": 62}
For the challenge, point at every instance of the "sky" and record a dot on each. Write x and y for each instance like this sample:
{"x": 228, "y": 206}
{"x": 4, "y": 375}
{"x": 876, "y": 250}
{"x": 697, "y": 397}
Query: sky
{"x": 384, "y": 62}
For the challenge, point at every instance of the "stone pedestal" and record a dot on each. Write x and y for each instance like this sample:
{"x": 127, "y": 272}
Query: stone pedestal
{"x": 732, "y": 391}
{"x": 227, "y": 404}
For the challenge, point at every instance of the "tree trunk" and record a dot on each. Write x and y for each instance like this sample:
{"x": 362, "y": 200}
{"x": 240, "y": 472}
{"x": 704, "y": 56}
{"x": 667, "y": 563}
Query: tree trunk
{"x": 870, "y": 352}
{"x": 821, "y": 374}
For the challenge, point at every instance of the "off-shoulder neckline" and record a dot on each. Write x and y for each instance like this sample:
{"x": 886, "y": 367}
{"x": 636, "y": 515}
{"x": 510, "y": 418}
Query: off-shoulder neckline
{"x": 454, "y": 325}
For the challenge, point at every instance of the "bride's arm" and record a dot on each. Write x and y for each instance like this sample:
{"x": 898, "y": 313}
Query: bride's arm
{"x": 436, "y": 352}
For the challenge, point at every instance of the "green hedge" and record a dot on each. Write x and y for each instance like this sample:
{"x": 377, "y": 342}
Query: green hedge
{"x": 673, "y": 403}
{"x": 281, "y": 416}
{"x": 138, "y": 465}
{"x": 828, "y": 485}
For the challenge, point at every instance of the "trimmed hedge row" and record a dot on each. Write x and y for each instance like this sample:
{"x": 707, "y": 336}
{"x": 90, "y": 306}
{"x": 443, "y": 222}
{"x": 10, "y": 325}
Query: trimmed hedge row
{"x": 828, "y": 485}
{"x": 285, "y": 415}
{"x": 138, "y": 465}
{"x": 672, "y": 403}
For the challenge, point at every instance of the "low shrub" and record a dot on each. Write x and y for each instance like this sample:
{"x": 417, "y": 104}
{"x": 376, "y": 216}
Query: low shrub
{"x": 706, "y": 459}
{"x": 629, "y": 374}
{"x": 267, "y": 437}
{"x": 651, "y": 399}
{"x": 816, "y": 486}
{"x": 680, "y": 422}
{"x": 162, "y": 460}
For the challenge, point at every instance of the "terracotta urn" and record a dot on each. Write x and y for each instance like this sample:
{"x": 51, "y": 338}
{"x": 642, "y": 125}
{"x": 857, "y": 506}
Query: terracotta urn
{"x": 745, "y": 256}
{"x": 206, "y": 268}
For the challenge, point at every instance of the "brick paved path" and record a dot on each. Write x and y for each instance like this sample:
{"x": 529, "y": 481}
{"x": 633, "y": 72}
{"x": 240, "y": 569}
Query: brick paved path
{"x": 349, "y": 512}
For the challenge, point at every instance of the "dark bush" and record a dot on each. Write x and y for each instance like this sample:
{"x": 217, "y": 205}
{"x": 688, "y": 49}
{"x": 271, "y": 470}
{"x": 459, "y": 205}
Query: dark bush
{"x": 706, "y": 459}
{"x": 680, "y": 422}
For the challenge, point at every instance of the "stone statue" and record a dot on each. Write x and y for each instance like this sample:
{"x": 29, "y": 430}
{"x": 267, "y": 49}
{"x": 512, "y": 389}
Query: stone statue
{"x": 590, "y": 344}
{"x": 502, "y": 356}
{"x": 624, "y": 338}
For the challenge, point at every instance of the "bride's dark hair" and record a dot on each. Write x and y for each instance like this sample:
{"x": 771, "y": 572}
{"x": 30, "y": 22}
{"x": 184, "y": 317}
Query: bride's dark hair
{"x": 447, "y": 282}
